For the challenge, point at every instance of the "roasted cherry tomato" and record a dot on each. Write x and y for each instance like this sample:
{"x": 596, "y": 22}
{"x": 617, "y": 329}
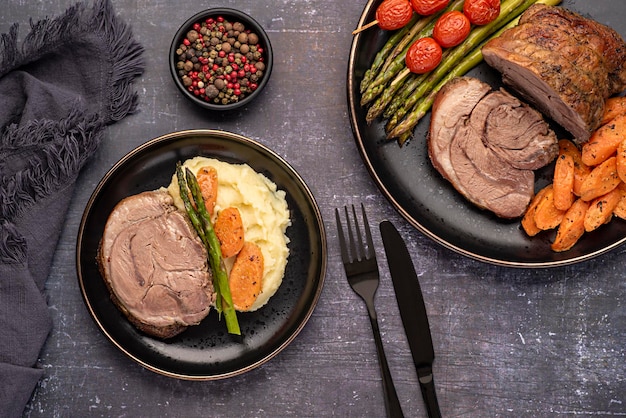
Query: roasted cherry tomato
{"x": 481, "y": 12}
{"x": 423, "y": 56}
{"x": 451, "y": 29}
{"x": 428, "y": 7}
{"x": 394, "y": 14}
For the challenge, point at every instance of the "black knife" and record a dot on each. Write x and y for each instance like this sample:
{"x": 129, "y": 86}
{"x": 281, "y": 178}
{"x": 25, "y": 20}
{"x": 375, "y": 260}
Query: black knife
{"x": 412, "y": 312}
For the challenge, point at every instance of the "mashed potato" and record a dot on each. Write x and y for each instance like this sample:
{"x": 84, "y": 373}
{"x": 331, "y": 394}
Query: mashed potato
{"x": 264, "y": 213}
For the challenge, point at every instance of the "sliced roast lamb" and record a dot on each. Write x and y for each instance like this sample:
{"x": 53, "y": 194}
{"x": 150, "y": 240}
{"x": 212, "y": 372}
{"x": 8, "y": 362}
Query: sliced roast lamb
{"x": 563, "y": 63}
{"x": 486, "y": 144}
{"x": 155, "y": 266}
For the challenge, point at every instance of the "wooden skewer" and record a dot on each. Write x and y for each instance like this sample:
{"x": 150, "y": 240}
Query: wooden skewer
{"x": 362, "y": 28}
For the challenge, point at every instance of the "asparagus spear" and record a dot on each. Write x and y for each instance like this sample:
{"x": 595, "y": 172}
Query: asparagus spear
{"x": 509, "y": 10}
{"x": 470, "y": 61}
{"x": 384, "y": 52}
{"x": 201, "y": 221}
{"x": 424, "y": 105}
{"x": 395, "y": 62}
{"x": 389, "y": 95}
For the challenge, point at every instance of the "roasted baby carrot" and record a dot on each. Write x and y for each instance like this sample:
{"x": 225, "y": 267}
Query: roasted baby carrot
{"x": 613, "y": 107}
{"x": 547, "y": 216}
{"x": 563, "y": 183}
{"x": 572, "y": 226}
{"x": 620, "y": 160}
{"x": 528, "y": 221}
{"x": 207, "y": 179}
{"x": 581, "y": 170}
{"x": 229, "y": 230}
{"x": 620, "y": 209}
{"x": 600, "y": 181}
{"x": 604, "y": 141}
{"x": 601, "y": 210}
{"x": 246, "y": 276}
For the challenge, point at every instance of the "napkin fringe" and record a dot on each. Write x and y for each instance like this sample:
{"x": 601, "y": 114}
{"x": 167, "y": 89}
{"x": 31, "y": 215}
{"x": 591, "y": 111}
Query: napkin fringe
{"x": 62, "y": 147}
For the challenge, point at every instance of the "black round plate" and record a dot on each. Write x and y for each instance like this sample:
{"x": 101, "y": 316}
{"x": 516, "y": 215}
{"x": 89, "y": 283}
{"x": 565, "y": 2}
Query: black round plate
{"x": 408, "y": 180}
{"x": 207, "y": 351}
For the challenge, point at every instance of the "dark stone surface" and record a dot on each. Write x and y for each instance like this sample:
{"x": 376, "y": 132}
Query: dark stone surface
{"x": 509, "y": 342}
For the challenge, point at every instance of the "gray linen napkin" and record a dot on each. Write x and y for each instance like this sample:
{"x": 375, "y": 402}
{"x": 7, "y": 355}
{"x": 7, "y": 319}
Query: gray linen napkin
{"x": 70, "y": 78}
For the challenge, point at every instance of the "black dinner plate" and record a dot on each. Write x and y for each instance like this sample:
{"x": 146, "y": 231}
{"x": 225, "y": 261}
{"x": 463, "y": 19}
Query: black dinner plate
{"x": 427, "y": 201}
{"x": 207, "y": 351}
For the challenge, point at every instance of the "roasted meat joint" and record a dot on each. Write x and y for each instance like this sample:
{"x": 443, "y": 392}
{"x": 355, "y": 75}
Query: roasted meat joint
{"x": 487, "y": 144}
{"x": 557, "y": 68}
{"x": 563, "y": 63}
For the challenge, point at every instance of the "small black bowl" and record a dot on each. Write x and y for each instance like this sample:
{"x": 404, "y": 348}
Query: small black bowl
{"x": 246, "y": 96}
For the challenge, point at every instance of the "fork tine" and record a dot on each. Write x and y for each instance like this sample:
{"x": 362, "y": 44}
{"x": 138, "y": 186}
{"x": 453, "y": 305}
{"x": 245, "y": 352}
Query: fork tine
{"x": 352, "y": 243}
{"x": 368, "y": 234}
{"x": 342, "y": 240}
{"x": 362, "y": 254}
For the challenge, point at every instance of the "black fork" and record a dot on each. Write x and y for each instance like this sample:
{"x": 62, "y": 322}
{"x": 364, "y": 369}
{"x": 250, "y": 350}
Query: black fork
{"x": 359, "y": 261}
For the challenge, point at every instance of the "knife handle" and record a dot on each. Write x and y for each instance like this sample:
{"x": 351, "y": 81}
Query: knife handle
{"x": 392, "y": 403}
{"x": 427, "y": 384}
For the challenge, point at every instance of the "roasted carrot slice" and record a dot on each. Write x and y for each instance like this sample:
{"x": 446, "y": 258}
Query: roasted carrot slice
{"x": 604, "y": 141}
{"x": 613, "y": 107}
{"x": 528, "y": 221}
{"x": 246, "y": 276}
{"x": 563, "y": 182}
{"x": 581, "y": 170}
{"x": 229, "y": 230}
{"x": 207, "y": 179}
{"x": 600, "y": 181}
{"x": 601, "y": 210}
{"x": 547, "y": 216}
{"x": 620, "y": 160}
{"x": 620, "y": 209}
{"x": 572, "y": 226}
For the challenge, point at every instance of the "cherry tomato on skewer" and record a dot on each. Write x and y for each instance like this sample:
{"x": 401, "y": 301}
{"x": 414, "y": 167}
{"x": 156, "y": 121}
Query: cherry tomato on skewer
{"x": 451, "y": 29}
{"x": 424, "y": 55}
{"x": 428, "y": 7}
{"x": 390, "y": 15}
{"x": 394, "y": 14}
{"x": 481, "y": 12}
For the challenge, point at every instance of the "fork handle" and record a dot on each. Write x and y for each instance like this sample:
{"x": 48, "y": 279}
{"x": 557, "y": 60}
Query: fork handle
{"x": 392, "y": 403}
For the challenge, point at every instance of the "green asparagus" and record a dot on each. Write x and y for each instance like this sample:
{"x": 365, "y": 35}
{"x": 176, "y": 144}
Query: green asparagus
{"x": 420, "y": 107}
{"x": 384, "y": 52}
{"x": 201, "y": 221}
{"x": 395, "y": 62}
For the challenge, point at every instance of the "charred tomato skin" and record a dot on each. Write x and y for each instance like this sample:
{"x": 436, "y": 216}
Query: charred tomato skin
{"x": 394, "y": 14}
{"x": 424, "y": 55}
{"x": 451, "y": 29}
{"x": 481, "y": 12}
{"x": 429, "y": 7}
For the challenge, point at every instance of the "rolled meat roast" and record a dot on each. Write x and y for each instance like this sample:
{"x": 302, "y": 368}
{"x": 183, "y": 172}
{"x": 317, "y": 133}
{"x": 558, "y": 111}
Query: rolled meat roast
{"x": 155, "y": 266}
{"x": 563, "y": 64}
{"x": 486, "y": 144}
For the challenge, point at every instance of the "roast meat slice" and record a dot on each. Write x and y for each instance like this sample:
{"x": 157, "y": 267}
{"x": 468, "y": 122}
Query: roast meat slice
{"x": 155, "y": 266}
{"x": 564, "y": 64}
{"x": 514, "y": 131}
{"x": 484, "y": 143}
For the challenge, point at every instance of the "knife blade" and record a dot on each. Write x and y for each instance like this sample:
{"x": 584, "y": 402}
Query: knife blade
{"x": 412, "y": 311}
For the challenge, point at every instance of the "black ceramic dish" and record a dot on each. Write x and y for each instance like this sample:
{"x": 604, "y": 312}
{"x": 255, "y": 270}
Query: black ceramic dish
{"x": 406, "y": 177}
{"x": 231, "y": 15}
{"x": 206, "y": 351}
